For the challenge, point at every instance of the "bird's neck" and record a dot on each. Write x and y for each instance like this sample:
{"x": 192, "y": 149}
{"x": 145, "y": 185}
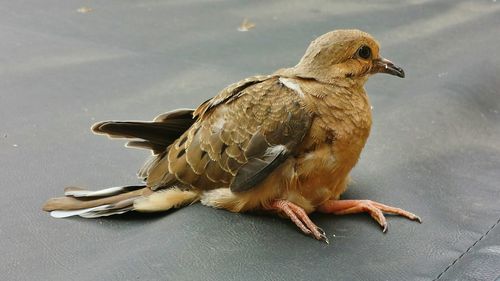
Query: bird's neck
{"x": 340, "y": 105}
{"x": 337, "y": 78}
{"x": 342, "y": 111}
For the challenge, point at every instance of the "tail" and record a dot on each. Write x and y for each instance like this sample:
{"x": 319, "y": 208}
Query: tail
{"x": 116, "y": 200}
{"x": 89, "y": 204}
{"x": 157, "y": 136}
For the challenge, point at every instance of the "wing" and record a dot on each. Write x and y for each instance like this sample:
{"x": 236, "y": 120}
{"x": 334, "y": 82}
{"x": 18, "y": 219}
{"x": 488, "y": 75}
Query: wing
{"x": 231, "y": 92}
{"x": 238, "y": 139}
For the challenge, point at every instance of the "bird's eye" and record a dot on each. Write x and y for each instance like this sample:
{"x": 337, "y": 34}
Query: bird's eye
{"x": 364, "y": 52}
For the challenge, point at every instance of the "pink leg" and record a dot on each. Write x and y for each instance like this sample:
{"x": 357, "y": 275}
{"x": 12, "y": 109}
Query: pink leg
{"x": 300, "y": 218}
{"x": 375, "y": 209}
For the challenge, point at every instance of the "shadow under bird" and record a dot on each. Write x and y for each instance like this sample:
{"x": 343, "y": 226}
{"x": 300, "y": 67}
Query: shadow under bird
{"x": 283, "y": 143}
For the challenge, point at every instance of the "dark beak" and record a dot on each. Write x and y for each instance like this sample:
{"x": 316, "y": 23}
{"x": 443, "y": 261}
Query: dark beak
{"x": 382, "y": 65}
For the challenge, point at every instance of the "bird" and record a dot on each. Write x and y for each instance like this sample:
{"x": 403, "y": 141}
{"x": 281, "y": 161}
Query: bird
{"x": 283, "y": 143}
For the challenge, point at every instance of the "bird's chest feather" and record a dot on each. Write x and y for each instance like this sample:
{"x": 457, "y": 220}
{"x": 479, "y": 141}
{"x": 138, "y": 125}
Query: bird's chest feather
{"x": 332, "y": 147}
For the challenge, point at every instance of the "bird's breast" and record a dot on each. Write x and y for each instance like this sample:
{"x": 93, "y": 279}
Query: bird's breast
{"x": 322, "y": 174}
{"x": 333, "y": 145}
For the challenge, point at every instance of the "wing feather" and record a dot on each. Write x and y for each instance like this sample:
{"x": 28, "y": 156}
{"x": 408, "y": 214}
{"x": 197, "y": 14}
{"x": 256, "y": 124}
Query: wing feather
{"x": 240, "y": 137}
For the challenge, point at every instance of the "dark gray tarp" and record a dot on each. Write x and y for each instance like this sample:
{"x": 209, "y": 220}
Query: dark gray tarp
{"x": 434, "y": 148}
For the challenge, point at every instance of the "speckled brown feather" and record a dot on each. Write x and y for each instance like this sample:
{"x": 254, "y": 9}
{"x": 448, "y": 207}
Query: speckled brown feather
{"x": 215, "y": 150}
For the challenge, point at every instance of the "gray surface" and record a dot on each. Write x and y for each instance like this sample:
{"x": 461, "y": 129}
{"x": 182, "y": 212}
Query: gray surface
{"x": 434, "y": 148}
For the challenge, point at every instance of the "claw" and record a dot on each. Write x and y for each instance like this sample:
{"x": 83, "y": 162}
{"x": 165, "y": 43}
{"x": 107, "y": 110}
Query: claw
{"x": 384, "y": 227}
{"x": 321, "y": 230}
{"x": 320, "y": 235}
{"x": 323, "y": 235}
{"x": 300, "y": 218}
{"x": 324, "y": 238}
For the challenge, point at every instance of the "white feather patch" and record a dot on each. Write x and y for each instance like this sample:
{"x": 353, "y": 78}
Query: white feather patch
{"x": 217, "y": 198}
{"x": 98, "y": 193}
{"x": 292, "y": 85}
{"x": 274, "y": 150}
{"x": 65, "y": 214}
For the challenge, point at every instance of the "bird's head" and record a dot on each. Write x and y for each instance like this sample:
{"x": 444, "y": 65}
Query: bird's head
{"x": 344, "y": 54}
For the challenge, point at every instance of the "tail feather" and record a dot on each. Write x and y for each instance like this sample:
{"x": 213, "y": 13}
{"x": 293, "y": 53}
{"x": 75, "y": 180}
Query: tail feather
{"x": 80, "y": 212}
{"x": 69, "y": 203}
{"x": 110, "y": 191}
{"x": 106, "y": 213}
{"x": 116, "y": 200}
{"x": 120, "y": 207}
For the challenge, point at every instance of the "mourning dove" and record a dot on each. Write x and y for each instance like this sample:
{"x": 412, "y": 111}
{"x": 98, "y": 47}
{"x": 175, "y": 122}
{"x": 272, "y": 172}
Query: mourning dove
{"x": 283, "y": 143}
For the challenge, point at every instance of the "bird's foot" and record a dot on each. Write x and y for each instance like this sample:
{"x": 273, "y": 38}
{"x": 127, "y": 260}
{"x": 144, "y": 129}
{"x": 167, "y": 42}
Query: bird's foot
{"x": 300, "y": 218}
{"x": 375, "y": 209}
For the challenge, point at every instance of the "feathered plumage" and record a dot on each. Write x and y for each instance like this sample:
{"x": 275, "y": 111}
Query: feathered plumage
{"x": 284, "y": 142}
